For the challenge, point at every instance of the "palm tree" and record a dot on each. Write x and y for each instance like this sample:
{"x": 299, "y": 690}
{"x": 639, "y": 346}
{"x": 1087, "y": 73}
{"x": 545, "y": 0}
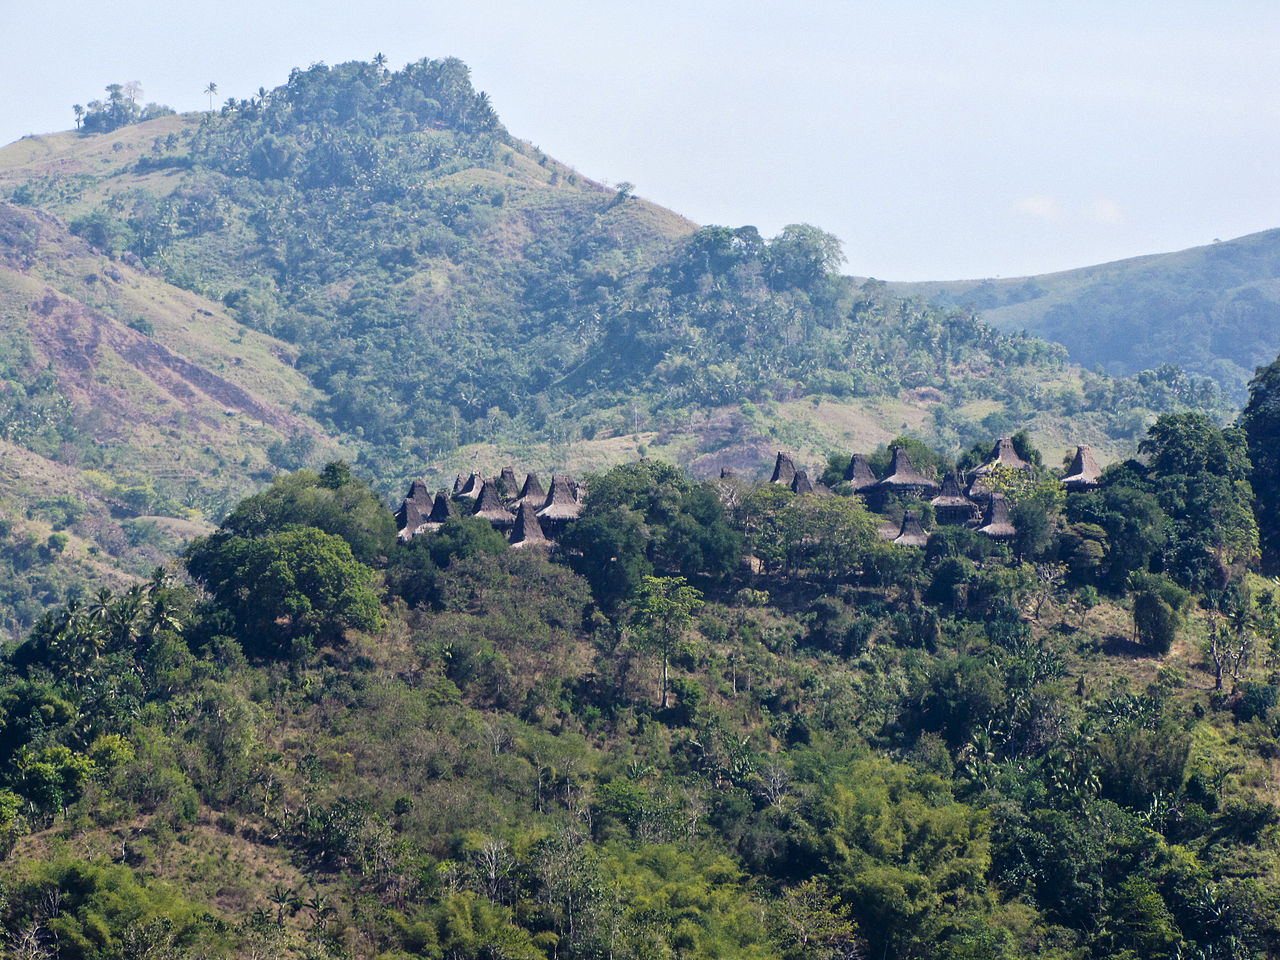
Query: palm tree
{"x": 380, "y": 63}
{"x": 78, "y": 110}
{"x": 101, "y": 606}
{"x": 211, "y": 89}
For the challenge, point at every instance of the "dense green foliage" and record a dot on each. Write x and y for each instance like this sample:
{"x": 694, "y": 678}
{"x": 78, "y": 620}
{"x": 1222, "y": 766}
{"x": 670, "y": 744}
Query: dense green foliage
{"x": 760, "y": 732}
{"x": 1261, "y": 423}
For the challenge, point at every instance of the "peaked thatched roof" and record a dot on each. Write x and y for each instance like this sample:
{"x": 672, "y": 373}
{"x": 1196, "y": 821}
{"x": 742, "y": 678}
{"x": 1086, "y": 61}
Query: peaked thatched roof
{"x": 911, "y": 534}
{"x": 801, "y": 483}
{"x": 904, "y": 476}
{"x": 726, "y": 473}
{"x": 1002, "y": 454}
{"x": 414, "y": 507}
{"x": 784, "y": 470}
{"x": 1084, "y": 472}
{"x": 561, "y": 503}
{"x": 951, "y": 495}
{"x": 532, "y": 492}
{"x": 472, "y": 487}
{"x": 441, "y": 510}
{"x": 527, "y": 531}
{"x": 490, "y": 506}
{"x": 508, "y": 485}
{"x": 998, "y": 525}
{"x": 859, "y": 473}
{"x": 457, "y": 485}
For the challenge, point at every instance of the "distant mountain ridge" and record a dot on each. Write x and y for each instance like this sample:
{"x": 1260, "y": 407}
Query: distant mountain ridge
{"x": 1214, "y": 310}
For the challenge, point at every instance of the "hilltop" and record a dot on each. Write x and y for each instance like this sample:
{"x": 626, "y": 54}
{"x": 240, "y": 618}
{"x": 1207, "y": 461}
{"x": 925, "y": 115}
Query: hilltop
{"x": 1213, "y": 310}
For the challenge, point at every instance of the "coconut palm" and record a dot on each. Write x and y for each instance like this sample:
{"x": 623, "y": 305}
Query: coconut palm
{"x": 211, "y": 89}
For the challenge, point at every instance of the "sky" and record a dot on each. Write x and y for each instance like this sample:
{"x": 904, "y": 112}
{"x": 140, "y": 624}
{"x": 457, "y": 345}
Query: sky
{"x": 937, "y": 140}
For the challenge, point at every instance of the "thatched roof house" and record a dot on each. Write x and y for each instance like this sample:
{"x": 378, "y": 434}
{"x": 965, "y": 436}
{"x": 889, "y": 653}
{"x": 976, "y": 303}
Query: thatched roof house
{"x": 911, "y": 534}
{"x": 527, "y": 532}
{"x": 905, "y": 478}
{"x": 561, "y": 504}
{"x": 441, "y": 510}
{"x": 951, "y": 506}
{"x": 490, "y": 506}
{"x": 508, "y": 485}
{"x": 784, "y": 470}
{"x": 414, "y": 508}
{"x": 471, "y": 487}
{"x": 859, "y": 473}
{"x": 1002, "y": 455}
{"x": 1084, "y": 472}
{"x": 800, "y": 483}
{"x": 998, "y": 526}
{"x": 457, "y": 484}
{"x": 531, "y": 493}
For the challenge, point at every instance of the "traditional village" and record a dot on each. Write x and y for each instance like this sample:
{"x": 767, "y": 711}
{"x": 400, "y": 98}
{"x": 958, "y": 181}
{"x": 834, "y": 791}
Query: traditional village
{"x": 528, "y": 515}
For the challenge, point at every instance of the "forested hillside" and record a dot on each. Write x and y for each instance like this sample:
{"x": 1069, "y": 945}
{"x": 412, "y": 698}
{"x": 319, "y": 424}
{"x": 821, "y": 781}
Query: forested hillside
{"x": 720, "y": 719}
{"x": 1213, "y": 310}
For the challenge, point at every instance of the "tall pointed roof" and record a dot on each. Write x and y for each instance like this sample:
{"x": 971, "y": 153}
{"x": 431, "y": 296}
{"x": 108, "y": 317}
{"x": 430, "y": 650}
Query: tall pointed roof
{"x": 489, "y": 506}
{"x": 441, "y": 510}
{"x": 414, "y": 507}
{"x": 1002, "y": 454}
{"x": 911, "y": 534}
{"x": 561, "y": 503}
{"x": 508, "y": 485}
{"x": 904, "y": 476}
{"x": 951, "y": 495}
{"x": 801, "y": 483}
{"x": 532, "y": 492}
{"x": 784, "y": 470}
{"x": 457, "y": 484}
{"x": 998, "y": 525}
{"x": 527, "y": 531}
{"x": 471, "y": 487}
{"x": 859, "y": 473}
{"x": 1084, "y": 472}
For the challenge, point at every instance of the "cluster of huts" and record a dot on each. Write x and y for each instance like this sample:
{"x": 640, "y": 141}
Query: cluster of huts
{"x": 530, "y": 516}
{"x": 973, "y": 504}
{"x": 525, "y": 513}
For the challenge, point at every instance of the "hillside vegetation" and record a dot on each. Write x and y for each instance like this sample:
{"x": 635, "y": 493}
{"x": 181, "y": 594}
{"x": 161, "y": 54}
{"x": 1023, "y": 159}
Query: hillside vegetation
{"x": 1213, "y": 310}
{"x": 364, "y": 262}
{"x": 723, "y": 720}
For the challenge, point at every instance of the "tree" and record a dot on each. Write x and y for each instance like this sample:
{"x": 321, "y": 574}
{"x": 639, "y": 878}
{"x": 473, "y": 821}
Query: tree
{"x": 1158, "y": 605}
{"x": 211, "y": 90}
{"x": 334, "y": 502}
{"x": 1261, "y": 423}
{"x": 291, "y": 585}
{"x": 664, "y": 611}
{"x": 1200, "y": 475}
{"x": 78, "y": 110}
{"x": 809, "y": 921}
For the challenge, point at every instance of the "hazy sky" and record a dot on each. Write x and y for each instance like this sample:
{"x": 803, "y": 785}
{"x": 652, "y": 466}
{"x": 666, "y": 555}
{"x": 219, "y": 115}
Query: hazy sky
{"x": 937, "y": 139}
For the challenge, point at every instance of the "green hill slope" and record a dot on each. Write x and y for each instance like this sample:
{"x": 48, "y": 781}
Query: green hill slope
{"x": 1213, "y": 310}
{"x": 367, "y": 263}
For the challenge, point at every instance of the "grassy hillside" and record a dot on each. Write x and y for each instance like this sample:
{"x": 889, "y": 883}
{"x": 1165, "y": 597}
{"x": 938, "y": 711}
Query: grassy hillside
{"x": 1213, "y": 310}
{"x": 124, "y": 398}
